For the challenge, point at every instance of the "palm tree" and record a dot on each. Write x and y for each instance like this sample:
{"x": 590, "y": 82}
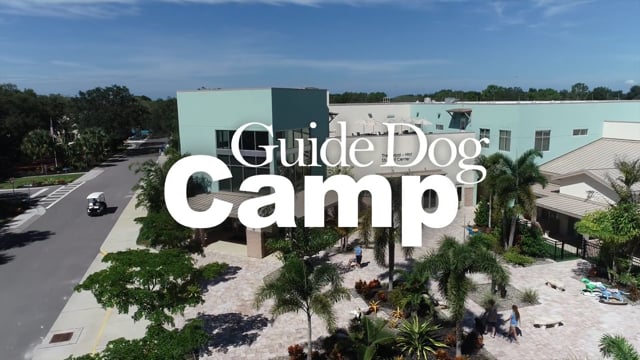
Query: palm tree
{"x": 617, "y": 347}
{"x": 623, "y": 186}
{"x": 385, "y": 239}
{"x": 416, "y": 338}
{"x": 37, "y": 144}
{"x": 450, "y": 265}
{"x": 511, "y": 183}
{"x": 629, "y": 176}
{"x": 301, "y": 286}
{"x": 151, "y": 187}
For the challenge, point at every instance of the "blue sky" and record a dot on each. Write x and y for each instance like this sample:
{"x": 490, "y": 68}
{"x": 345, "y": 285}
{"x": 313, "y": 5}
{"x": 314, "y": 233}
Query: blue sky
{"x": 397, "y": 46}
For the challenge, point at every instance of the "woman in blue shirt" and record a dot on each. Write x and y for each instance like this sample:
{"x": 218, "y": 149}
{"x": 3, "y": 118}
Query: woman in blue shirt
{"x": 514, "y": 322}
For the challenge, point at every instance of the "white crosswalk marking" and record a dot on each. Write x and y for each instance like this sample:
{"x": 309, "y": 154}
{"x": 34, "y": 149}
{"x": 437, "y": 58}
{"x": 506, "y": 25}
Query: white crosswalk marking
{"x": 59, "y": 194}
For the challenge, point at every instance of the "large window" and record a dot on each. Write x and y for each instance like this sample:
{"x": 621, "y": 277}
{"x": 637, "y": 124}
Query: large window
{"x": 505, "y": 140}
{"x": 251, "y": 151}
{"x": 542, "y": 140}
{"x": 485, "y": 133}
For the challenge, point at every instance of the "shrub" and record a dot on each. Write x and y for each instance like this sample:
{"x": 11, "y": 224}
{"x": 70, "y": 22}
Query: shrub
{"x": 296, "y": 352}
{"x": 450, "y": 339}
{"x": 381, "y": 295}
{"x": 486, "y": 241}
{"x": 482, "y": 214}
{"x": 213, "y": 270}
{"x": 533, "y": 246}
{"x": 360, "y": 286}
{"x": 529, "y": 296}
{"x": 514, "y": 257}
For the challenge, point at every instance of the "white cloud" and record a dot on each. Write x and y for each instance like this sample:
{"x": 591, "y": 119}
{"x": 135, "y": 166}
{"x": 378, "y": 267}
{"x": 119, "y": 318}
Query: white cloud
{"x": 555, "y": 7}
{"x": 630, "y": 82}
{"x": 112, "y": 8}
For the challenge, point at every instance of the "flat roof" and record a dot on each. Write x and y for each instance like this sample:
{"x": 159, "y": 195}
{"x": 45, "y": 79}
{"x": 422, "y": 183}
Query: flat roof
{"x": 248, "y": 89}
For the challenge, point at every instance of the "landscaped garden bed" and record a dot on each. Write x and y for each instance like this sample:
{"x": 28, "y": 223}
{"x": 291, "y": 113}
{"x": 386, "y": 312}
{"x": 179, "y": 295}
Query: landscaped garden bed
{"x": 43, "y": 180}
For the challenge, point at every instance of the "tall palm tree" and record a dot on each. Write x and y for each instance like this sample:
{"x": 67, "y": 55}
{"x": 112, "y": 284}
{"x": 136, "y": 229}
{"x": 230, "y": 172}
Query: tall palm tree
{"x": 416, "y": 338}
{"x": 385, "y": 239}
{"x": 617, "y": 347}
{"x": 511, "y": 183}
{"x": 450, "y": 264}
{"x": 37, "y": 144}
{"x": 302, "y": 286}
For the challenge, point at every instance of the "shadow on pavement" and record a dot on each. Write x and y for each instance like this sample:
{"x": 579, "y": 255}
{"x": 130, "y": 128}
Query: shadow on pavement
{"x": 232, "y": 329}
{"x": 9, "y": 240}
{"x": 4, "y": 258}
{"x": 227, "y": 275}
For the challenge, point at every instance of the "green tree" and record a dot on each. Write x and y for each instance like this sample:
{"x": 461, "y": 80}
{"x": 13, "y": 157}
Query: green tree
{"x": 579, "y": 91}
{"x": 511, "y": 183}
{"x": 619, "y": 225}
{"x": 37, "y": 145}
{"x": 450, "y": 265}
{"x": 301, "y": 286}
{"x": 154, "y": 285}
{"x": 417, "y": 338}
{"x": 157, "y": 344}
{"x": 113, "y": 108}
{"x": 618, "y": 348}
{"x": 302, "y": 242}
{"x": 634, "y": 93}
{"x": 160, "y": 230}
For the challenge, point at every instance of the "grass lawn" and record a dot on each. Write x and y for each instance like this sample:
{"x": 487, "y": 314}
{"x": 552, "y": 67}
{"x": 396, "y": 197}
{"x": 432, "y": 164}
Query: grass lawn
{"x": 42, "y": 180}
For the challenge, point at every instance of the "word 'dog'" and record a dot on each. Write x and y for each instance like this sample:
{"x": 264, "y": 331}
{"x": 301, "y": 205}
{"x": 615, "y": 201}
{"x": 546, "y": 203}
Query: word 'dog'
{"x": 316, "y": 187}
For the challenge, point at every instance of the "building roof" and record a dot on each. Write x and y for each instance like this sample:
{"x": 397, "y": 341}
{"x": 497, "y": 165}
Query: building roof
{"x": 569, "y": 205}
{"x": 598, "y": 157}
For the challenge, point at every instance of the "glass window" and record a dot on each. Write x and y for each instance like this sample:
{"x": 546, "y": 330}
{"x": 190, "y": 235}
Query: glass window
{"x": 262, "y": 138}
{"x": 580, "y": 132}
{"x": 290, "y": 142}
{"x": 248, "y": 140}
{"x": 439, "y": 127}
{"x": 505, "y": 140}
{"x": 430, "y": 199}
{"x": 225, "y": 185}
{"x": 222, "y": 139}
{"x": 236, "y": 177}
{"x": 542, "y": 140}
{"x": 484, "y": 133}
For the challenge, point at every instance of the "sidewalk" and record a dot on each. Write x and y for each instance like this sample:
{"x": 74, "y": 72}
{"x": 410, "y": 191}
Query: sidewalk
{"x": 84, "y": 326}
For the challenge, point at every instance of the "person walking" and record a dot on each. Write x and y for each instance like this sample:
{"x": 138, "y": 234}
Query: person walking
{"x": 492, "y": 319}
{"x": 514, "y": 323}
{"x": 358, "y": 252}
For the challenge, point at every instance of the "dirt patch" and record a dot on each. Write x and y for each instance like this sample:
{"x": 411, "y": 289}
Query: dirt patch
{"x": 514, "y": 296}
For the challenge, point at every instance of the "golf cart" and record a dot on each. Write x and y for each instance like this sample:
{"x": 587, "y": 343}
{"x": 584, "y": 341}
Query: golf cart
{"x": 96, "y": 204}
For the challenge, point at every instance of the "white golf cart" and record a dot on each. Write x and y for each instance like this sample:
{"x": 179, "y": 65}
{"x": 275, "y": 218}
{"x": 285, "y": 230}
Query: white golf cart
{"x": 96, "y": 204}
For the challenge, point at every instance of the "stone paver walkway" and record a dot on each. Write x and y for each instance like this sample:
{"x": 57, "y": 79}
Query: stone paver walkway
{"x": 240, "y": 331}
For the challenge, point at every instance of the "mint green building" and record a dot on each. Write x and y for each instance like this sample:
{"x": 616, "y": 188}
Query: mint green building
{"x": 209, "y": 118}
{"x": 555, "y": 128}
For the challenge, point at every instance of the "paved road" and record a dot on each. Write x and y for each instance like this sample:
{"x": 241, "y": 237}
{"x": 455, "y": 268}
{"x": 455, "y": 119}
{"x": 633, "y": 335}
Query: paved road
{"x": 40, "y": 266}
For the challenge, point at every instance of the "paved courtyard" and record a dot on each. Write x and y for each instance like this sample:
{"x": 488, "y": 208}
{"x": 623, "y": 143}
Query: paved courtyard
{"x": 240, "y": 331}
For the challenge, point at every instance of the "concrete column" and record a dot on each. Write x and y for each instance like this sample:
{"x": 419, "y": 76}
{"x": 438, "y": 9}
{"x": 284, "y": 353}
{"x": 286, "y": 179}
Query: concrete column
{"x": 255, "y": 243}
